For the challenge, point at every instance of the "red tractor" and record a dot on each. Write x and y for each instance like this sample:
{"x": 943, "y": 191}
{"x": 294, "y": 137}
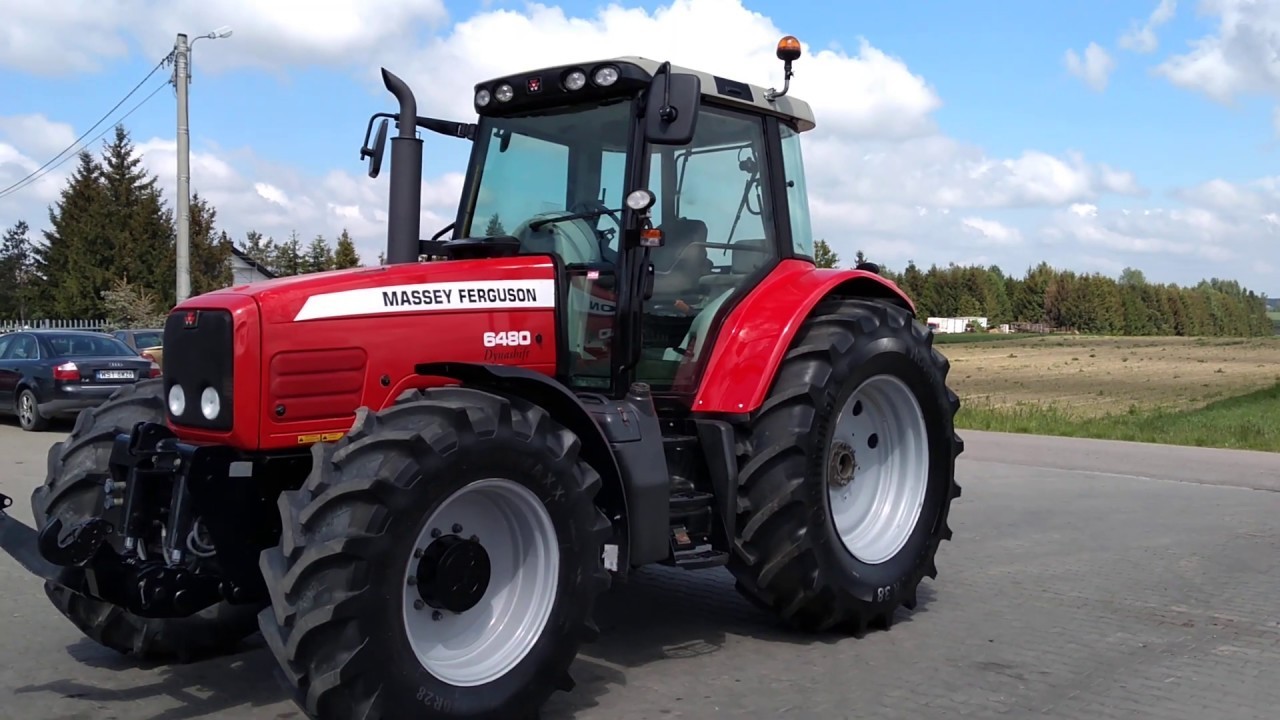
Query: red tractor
{"x": 416, "y": 480}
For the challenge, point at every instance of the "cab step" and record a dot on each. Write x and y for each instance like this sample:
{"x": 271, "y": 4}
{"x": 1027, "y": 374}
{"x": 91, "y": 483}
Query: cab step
{"x": 691, "y": 518}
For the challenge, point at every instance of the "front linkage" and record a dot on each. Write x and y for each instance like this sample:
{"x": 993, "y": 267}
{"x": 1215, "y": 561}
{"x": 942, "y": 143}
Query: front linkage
{"x": 192, "y": 520}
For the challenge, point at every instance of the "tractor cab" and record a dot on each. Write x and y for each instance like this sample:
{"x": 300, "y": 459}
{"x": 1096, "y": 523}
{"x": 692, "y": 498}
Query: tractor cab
{"x": 663, "y": 193}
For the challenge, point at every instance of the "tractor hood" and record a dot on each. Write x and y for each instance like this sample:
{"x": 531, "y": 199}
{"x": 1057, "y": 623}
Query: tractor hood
{"x": 459, "y": 285}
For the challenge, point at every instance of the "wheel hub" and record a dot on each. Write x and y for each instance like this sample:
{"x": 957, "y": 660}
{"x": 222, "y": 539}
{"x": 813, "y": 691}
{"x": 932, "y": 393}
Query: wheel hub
{"x": 453, "y": 573}
{"x": 842, "y": 465}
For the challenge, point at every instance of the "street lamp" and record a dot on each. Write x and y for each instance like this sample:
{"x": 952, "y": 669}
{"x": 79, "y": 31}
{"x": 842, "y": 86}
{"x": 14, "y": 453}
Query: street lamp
{"x": 181, "y": 79}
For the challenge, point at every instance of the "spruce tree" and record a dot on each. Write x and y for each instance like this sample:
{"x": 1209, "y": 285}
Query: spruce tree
{"x": 319, "y": 256}
{"x": 18, "y": 280}
{"x": 345, "y": 255}
{"x": 140, "y": 235}
{"x": 77, "y": 260}
{"x": 288, "y": 258}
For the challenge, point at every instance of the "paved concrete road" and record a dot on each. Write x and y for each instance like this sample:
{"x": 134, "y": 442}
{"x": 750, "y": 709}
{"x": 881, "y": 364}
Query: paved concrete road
{"x": 1086, "y": 580}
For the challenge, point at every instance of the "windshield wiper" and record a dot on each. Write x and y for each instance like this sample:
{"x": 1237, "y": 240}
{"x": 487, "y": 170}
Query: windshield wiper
{"x": 586, "y": 215}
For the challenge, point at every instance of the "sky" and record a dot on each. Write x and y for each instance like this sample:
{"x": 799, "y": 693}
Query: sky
{"x": 1093, "y": 135}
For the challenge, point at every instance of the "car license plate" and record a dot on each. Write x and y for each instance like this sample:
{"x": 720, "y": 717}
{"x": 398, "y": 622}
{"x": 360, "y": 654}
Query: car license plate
{"x": 115, "y": 374}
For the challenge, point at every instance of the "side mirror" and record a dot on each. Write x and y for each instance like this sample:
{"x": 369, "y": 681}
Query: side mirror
{"x": 672, "y": 114}
{"x": 375, "y": 153}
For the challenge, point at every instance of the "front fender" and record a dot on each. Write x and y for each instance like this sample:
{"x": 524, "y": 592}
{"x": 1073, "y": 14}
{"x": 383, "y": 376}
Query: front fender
{"x": 755, "y": 336}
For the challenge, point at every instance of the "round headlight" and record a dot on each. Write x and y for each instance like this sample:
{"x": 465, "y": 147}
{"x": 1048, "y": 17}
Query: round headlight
{"x": 210, "y": 403}
{"x": 575, "y": 80}
{"x": 177, "y": 401}
{"x": 605, "y": 76}
{"x": 504, "y": 93}
{"x": 483, "y": 97}
{"x": 640, "y": 200}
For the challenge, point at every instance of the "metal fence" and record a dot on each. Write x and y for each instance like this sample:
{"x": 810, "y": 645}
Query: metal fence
{"x": 52, "y": 324}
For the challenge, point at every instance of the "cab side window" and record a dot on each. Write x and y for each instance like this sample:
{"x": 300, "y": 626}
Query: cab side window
{"x": 797, "y": 193}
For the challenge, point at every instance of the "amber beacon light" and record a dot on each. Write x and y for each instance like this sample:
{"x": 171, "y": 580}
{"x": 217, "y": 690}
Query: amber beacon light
{"x": 788, "y": 52}
{"x": 789, "y": 49}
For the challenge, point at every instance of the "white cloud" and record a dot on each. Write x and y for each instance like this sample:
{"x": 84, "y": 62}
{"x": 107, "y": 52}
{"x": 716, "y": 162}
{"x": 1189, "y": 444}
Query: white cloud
{"x": 1094, "y": 68}
{"x": 990, "y": 232}
{"x": 1239, "y": 58}
{"x": 34, "y": 36}
{"x": 1142, "y": 38}
{"x": 882, "y": 178}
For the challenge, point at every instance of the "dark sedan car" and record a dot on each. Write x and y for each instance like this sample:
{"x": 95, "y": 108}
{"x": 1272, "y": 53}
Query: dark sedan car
{"x": 52, "y": 373}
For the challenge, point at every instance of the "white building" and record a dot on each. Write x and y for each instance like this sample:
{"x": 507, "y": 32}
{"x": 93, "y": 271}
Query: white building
{"x": 245, "y": 270}
{"x": 955, "y": 324}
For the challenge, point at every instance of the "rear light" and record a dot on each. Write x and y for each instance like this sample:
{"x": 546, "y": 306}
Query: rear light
{"x": 155, "y": 369}
{"x": 67, "y": 372}
{"x": 149, "y": 356}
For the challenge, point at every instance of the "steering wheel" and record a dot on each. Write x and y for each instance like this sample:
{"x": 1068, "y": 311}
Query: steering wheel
{"x": 603, "y": 237}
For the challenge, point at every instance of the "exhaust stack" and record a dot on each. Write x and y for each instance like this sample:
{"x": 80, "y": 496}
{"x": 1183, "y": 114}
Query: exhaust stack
{"x": 404, "y": 208}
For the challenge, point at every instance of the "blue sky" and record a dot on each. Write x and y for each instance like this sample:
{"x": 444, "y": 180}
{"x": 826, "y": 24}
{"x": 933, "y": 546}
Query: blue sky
{"x": 289, "y": 113}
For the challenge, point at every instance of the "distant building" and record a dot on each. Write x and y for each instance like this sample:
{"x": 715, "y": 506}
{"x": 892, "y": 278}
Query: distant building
{"x": 956, "y": 324}
{"x": 245, "y": 270}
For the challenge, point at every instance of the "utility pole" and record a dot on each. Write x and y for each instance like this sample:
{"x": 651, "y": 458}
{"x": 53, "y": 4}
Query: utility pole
{"x": 181, "y": 77}
{"x": 181, "y": 80}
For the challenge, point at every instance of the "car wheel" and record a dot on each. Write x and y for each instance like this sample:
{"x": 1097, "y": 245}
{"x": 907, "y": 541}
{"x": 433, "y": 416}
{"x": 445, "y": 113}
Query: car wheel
{"x": 28, "y": 409}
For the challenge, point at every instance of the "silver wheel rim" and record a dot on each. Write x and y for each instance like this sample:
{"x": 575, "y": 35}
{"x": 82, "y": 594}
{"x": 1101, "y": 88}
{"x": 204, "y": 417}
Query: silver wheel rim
{"x": 26, "y": 409}
{"x": 483, "y": 643}
{"x": 878, "y": 469}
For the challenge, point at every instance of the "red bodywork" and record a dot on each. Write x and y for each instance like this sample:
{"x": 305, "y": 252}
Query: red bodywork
{"x": 323, "y": 368}
{"x": 323, "y": 356}
{"x": 755, "y": 336}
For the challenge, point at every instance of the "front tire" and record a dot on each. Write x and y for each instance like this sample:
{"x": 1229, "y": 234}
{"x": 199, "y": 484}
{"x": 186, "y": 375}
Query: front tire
{"x": 73, "y": 491}
{"x": 848, "y": 471}
{"x": 372, "y": 600}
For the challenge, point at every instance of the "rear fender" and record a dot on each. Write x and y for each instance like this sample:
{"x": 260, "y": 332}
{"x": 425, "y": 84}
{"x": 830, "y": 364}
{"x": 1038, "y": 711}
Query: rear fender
{"x": 634, "y": 500}
{"x": 755, "y": 336}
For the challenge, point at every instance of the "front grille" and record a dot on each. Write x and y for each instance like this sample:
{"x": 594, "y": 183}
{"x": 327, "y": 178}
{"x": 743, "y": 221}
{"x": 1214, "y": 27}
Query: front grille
{"x": 199, "y": 353}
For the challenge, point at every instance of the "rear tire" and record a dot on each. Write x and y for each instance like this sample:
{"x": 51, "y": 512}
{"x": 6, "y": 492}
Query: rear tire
{"x": 344, "y": 625}
{"x": 859, "y": 405}
{"x": 73, "y": 491}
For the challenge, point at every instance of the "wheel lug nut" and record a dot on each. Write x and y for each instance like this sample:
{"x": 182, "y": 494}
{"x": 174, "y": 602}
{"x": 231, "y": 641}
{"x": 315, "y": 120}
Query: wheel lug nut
{"x": 437, "y": 616}
{"x": 418, "y": 552}
{"x": 457, "y": 528}
{"x": 418, "y": 604}
{"x": 435, "y": 532}
{"x": 413, "y": 579}
{"x": 475, "y": 538}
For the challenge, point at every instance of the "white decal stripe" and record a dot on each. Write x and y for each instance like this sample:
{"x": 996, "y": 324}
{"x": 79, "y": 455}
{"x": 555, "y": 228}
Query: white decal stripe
{"x": 431, "y": 297}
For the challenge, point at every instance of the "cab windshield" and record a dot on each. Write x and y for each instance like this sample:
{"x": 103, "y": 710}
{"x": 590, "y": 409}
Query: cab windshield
{"x": 554, "y": 180}
{"x": 541, "y": 168}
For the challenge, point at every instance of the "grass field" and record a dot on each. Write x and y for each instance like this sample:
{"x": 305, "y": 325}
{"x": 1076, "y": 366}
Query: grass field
{"x": 1215, "y": 392}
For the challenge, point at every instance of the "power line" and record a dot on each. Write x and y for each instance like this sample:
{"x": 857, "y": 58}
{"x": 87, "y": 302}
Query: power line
{"x": 37, "y": 174}
{"x": 97, "y": 137}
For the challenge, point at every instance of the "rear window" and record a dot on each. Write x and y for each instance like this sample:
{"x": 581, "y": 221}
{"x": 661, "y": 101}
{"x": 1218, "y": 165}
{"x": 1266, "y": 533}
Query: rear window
{"x": 88, "y": 346}
{"x": 148, "y": 339}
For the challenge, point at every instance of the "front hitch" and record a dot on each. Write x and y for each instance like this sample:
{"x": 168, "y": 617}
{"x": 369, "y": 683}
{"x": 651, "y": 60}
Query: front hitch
{"x": 25, "y": 545}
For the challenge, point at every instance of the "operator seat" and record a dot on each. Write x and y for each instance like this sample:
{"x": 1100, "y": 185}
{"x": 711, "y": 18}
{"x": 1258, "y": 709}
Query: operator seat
{"x": 679, "y": 263}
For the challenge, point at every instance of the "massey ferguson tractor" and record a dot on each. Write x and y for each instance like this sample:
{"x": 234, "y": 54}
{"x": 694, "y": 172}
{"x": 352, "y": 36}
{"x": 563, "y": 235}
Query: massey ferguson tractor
{"x": 416, "y": 480}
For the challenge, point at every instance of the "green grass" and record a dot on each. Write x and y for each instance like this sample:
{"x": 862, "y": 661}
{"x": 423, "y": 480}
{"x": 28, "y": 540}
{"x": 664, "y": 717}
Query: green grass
{"x": 1243, "y": 422}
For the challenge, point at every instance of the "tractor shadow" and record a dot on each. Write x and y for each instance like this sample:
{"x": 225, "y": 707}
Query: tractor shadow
{"x": 668, "y": 615}
{"x": 660, "y": 615}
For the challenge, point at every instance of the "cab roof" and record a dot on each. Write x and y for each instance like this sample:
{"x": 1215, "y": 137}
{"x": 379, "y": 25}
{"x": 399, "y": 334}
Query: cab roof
{"x": 731, "y": 92}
